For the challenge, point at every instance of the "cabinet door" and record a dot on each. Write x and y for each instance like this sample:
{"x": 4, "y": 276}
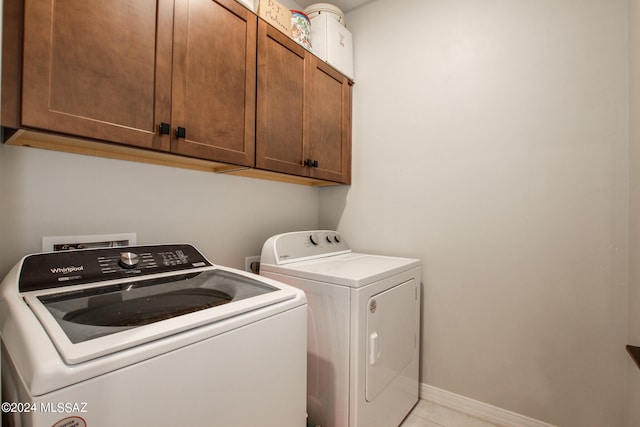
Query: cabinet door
{"x": 280, "y": 109}
{"x": 98, "y": 69}
{"x": 328, "y": 115}
{"x": 214, "y": 81}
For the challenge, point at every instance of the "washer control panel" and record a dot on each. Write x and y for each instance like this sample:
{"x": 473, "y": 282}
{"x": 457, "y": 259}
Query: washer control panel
{"x": 66, "y": 268}
{"x": 301, "y": 245}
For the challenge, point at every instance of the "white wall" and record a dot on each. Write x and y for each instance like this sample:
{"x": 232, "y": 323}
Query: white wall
{"x": 490, "y": 140}
{"x": 48, "y": 193}
{"x": 633, "y": 403}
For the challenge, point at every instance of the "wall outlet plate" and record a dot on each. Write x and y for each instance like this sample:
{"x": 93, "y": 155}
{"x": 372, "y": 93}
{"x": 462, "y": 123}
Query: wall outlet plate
{"x": 252, "y": 264}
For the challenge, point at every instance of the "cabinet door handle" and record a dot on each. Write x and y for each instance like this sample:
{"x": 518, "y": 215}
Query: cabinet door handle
{"x": 311, "y": 163}
{"x": 164, "y": 128}
{"x": 181, "y": 132}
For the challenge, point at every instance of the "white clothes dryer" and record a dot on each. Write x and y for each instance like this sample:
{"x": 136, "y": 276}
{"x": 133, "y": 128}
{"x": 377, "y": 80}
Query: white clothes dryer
{"x": 149, "y": 335}
{"x": 363, "y": 327}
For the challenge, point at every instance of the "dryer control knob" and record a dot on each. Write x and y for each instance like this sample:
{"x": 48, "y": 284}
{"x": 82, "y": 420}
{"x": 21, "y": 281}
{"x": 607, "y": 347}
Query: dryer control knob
{"x": 313, "y": 238}
{"x": 128, "y": 260}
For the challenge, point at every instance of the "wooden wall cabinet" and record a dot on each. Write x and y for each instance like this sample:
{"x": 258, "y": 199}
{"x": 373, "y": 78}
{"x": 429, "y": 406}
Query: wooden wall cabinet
{"x": 303, "y": 111}
{"x": 196, "y": 79}
{"x": 133, "y": 72}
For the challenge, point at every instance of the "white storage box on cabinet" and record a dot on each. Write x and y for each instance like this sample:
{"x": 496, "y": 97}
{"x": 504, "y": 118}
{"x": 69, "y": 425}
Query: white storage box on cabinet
{"x": 332, "y": 42}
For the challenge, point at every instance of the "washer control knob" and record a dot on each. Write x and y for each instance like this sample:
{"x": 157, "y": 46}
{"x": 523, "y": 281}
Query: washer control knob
{"x": 314, "y": 239}
{"x": 336, "y": 238}
{"x": 128, "y": 260}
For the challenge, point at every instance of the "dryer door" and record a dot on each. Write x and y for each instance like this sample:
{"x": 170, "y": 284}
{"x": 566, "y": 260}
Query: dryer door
{"x": 392, "y": 335}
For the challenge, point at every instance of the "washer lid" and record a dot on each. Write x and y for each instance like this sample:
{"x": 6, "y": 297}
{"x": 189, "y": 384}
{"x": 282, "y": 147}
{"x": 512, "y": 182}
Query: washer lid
{"x": 352, "y": 269}
{"x": 85, "y": 323}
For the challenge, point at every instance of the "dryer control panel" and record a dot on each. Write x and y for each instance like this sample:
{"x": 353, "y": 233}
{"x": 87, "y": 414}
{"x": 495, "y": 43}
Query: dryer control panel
{"x": 66, "y": 268}
{"x": 303, "y": 245}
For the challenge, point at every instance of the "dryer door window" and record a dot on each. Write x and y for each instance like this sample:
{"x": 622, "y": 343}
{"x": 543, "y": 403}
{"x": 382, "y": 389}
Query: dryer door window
{"x": 392, "y": 335}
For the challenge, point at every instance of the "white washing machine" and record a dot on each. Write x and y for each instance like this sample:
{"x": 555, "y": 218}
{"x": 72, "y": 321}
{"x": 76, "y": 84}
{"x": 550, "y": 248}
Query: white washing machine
{"x": 149, "y": 335}
{"x": 363, "y": 327}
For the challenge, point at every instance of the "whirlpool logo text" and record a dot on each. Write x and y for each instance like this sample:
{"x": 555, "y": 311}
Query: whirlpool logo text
{"x": 67, "y": 270}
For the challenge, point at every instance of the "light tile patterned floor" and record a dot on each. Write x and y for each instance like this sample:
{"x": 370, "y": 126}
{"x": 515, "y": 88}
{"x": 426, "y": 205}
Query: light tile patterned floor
{"x": 427, "y": 414}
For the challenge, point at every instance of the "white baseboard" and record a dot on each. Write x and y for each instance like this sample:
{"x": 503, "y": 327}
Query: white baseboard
{"x": 477, "y": 409}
